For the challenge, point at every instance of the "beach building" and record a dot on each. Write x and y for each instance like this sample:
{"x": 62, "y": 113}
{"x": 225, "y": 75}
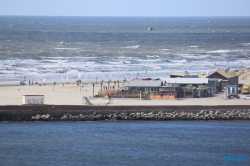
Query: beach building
{"x": 149, "y": 88}
{"x": 191, "y": 87}
{"x": 145, "y": 86}
{"x": 184, "y": 75}
{"x": 167, "y": 88}
{"x": 225, "y": 78}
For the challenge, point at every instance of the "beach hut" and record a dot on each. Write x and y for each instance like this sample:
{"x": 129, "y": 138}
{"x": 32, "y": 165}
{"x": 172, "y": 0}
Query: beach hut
{"x": 227, "y": 77}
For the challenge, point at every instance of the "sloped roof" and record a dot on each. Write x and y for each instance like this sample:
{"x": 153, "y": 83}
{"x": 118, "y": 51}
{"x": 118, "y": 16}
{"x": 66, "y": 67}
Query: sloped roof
{"x": 177, "y": 75}
{"x": 227, "y": 74}
{"x": 144, "y": 83}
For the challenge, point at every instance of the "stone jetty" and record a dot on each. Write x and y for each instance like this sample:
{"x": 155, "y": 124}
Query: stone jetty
{"x": 159, "y": 116}
{"x": 125, "y": 113}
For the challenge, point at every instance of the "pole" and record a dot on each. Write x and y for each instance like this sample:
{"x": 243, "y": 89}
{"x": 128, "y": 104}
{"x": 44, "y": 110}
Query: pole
{"x": 93, "y": 89}
{"x": 169, "y": 88}
{"x": 140, "y": 95}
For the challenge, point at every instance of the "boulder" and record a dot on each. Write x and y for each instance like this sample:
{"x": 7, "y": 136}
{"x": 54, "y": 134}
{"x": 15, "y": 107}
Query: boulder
{"x": 38, "y": 117}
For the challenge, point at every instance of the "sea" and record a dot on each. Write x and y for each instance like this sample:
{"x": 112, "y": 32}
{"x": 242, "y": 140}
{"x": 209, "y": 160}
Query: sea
{"x": 42, "y": 48}
{"x": 152, "y": 143}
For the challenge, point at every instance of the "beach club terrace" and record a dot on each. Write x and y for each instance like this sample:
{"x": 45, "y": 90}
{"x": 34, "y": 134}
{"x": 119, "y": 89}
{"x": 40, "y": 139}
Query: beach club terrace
{"x": 168, "y": 88}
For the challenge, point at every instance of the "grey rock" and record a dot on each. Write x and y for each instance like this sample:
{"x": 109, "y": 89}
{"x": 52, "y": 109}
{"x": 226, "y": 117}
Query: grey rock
{"x": 211, "y": 112}
{"x": 201, "y": 112}
{"x": 38, "y": 117}
{"x": 160, "y": 113}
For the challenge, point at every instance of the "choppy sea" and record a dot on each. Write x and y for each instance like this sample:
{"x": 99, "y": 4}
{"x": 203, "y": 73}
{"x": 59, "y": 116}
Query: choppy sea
{"x": 201, "y": 143}
{"x": 110, "y": 47}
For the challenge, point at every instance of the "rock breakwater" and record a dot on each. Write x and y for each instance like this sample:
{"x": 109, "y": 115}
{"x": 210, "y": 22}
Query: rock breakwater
{"x": 113, "y": 113}
{"x": 155, "y": 116}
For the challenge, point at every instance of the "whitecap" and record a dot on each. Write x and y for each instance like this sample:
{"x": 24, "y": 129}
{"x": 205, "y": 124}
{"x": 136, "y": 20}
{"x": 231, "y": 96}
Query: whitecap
{"x": 127, "y": 62}
{"x": 179, "y": 61}
{"x": 152, "y": 56}
{"x": 132, "y": 47}
{"x": 66, "y": 48}
{"x": 165, "y": 49}
{"x": 220, "y": 51}
{"x": 148, "y": 60}
{"x": 246, "y": 44}
{"x": 115, "y": 63}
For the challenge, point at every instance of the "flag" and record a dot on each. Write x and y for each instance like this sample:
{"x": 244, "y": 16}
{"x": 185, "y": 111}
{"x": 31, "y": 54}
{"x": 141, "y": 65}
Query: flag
{"x": 137, "y": 75}
{"x": 44, "y": 78}
{"x": 86, "y": 79}
{"x": 23, "y": 78}
{"x": 79, "y": 76}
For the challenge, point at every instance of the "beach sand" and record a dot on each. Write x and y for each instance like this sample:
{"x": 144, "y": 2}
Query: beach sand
{"x": 244, "y": 76}
{"x": 71, "y": 94}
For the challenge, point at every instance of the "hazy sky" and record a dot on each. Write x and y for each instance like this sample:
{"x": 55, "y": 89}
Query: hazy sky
{"x": 125, "y": 7}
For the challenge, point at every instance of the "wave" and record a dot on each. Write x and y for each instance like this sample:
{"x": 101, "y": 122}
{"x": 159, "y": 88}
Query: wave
{"x": 132, "y": 47}
{"x": 127, "y": 62}
{"x": 152, "y": 56}
{"x": 246, "y": 44}
{"x": 65, "y": 48}
{"x": 179, "y": 61}
{"x": 149, "y": 60}
{"x": 220, "y": 51}
{"x": 115, "y": 63}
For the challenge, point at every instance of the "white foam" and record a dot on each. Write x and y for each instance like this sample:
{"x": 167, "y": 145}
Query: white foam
{"x": 164, "y": 50}
{"x": 246, "y": 44}
{"x": 127, "y": 62}
{"x": 66, "y": 48}
{"x": 118, "y": 62}
{"x": 148, "y": 60}
{"x": 220, "y": 51}
{"x": 132, "y": 47}
{"x": 179, "y": 61}
{"x": 152, "y": 56}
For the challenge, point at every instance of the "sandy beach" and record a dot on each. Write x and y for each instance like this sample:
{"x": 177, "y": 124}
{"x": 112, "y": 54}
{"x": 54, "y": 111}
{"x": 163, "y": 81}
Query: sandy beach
{"x": 71, "y": 94}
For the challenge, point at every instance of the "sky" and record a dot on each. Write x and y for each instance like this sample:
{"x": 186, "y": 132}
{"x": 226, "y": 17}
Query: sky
{"x": 147, "y": 8}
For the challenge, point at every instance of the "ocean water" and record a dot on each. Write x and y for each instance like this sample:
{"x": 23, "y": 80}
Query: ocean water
{"x": 124, "y": 143}
{"x": 110, "y": 47}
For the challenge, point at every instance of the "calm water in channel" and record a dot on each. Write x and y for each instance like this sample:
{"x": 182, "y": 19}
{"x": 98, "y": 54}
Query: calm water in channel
{"x": 123, "y": 143}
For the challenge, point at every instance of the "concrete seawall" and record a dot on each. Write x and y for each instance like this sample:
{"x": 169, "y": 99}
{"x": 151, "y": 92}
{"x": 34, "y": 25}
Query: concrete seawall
{"x": 76, "y": 112}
